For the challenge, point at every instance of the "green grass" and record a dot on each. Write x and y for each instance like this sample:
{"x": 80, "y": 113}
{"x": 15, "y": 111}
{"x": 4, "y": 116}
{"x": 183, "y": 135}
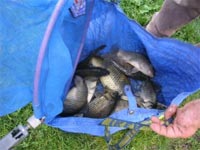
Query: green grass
{"x": 48, "y": 138}
{"x": 190, "y": 32}
{"x": 141, "y": 10}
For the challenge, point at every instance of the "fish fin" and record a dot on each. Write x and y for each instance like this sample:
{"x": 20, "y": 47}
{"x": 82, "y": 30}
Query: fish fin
{"x": 92, "y": 72}
{"x": 98, "y": 49}
{"x": 85, "y": 62}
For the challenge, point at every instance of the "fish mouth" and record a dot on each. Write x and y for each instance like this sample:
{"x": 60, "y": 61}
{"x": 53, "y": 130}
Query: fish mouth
{"x": 150, "y": 73}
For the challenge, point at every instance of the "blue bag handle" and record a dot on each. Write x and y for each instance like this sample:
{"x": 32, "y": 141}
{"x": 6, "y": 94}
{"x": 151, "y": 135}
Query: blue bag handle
{"x": 131, "y": 99}
{"x": 133, "y": 129}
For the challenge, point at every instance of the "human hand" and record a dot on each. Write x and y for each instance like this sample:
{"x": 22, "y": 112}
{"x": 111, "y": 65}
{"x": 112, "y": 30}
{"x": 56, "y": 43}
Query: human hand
{"x": 185, "y": 124}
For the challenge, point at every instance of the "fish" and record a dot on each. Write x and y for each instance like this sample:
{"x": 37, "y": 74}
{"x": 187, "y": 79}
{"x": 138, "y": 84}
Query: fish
{"x": 91, "y": 83}
{"x": 116, "y": 80}
{"x": 121, "y": 104}
{"x": 145, "y": 94}
{"x": 92, "y": 72}
{"x": 102, "y": 106}
{"x": 76, "y": 97}
{"x": 137, "y": 60}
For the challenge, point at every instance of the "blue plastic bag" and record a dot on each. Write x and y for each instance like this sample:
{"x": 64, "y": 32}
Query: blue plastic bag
{"x": 41, "y": 44}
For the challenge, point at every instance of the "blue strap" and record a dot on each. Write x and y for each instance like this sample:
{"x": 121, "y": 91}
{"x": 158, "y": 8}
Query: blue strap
{"x": 111, "y": 122}
{"x": 131, "y": 99}
{"x": 134, "y": 128}
{"x": 124, "y": 141}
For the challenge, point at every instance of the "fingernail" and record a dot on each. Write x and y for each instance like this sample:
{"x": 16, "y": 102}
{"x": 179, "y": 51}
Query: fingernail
{"x": 173, "y": 105}
{"x": 171, "y": 108}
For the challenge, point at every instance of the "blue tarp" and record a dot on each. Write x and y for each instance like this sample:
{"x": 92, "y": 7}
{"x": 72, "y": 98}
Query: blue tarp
{"x": 23, "y": 26}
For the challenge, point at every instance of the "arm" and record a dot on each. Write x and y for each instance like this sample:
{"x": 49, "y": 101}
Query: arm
{"x": 185, "y": 124}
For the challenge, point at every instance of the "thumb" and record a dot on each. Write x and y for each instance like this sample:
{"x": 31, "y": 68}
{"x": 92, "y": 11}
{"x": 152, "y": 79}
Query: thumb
{"x": 171, "y": 111}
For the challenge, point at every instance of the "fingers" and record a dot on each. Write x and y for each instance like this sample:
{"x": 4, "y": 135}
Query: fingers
{"x": 155, "y": 120}
{"x": 172, "y": 131}
{"x": 171, "y": 111}
{"x": 183, "y": 125}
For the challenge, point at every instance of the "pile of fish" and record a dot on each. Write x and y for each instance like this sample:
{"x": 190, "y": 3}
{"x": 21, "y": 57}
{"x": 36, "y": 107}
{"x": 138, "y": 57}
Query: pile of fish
{"x": 99, "y": 84}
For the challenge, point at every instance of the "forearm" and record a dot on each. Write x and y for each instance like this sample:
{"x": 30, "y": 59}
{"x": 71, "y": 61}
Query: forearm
{"x": 173, "y": 15}
{"x": 188, "y": 3}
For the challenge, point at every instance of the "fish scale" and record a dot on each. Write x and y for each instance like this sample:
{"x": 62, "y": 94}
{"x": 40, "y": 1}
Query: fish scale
{"x": 91, "y": 84}
{"x": 116, "y": 80}
{"x": 101, "y": 106}
{"x": 121, "y": 104}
